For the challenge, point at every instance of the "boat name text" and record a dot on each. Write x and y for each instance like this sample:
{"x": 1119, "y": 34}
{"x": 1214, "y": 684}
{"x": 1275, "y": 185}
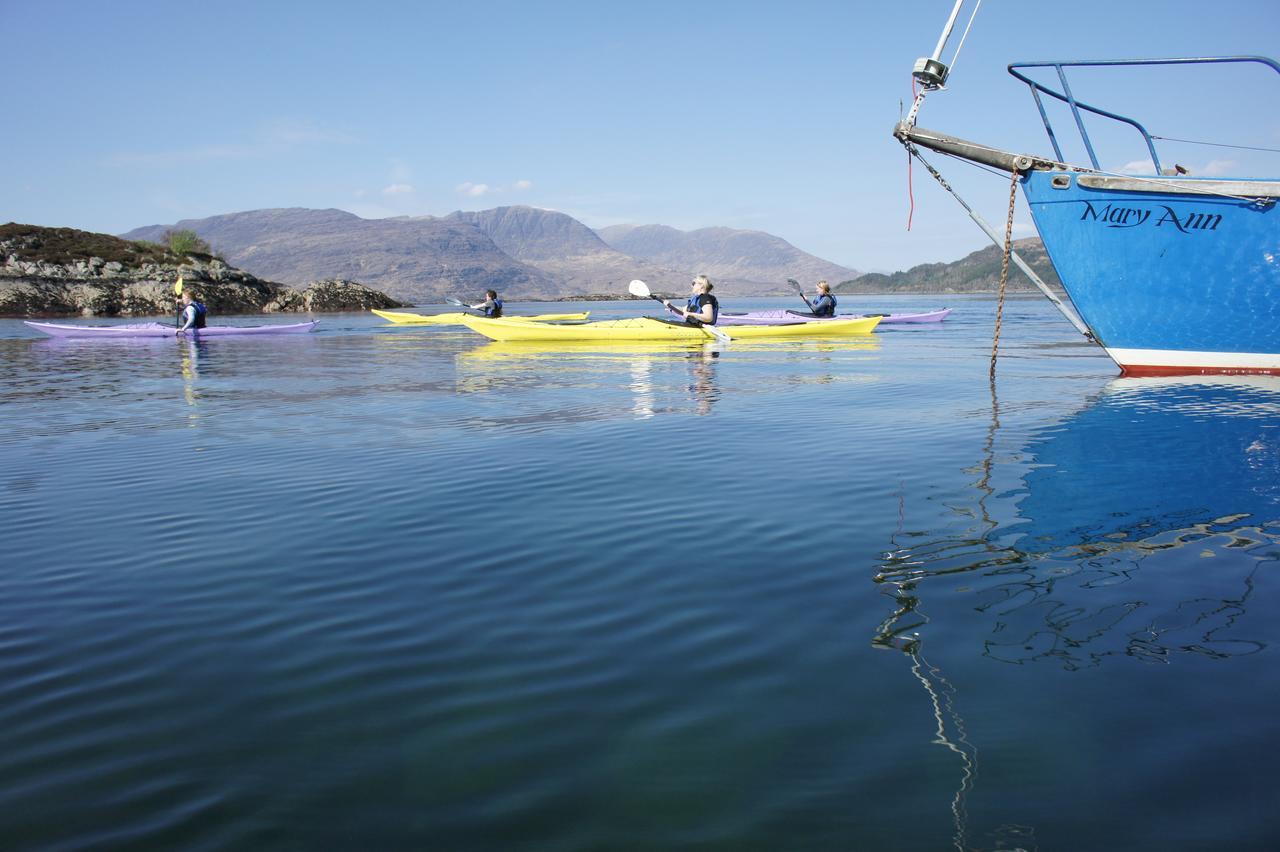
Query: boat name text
{"x": 1116, "y": 216}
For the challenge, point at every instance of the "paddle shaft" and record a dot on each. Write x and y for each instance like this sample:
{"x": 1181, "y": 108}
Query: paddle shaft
{"x": 693, "y": 321}
{"x": 461, "y": 304}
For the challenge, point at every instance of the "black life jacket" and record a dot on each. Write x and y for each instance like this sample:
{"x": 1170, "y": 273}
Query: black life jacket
{"x": 824, "y": 305}
{"x": 494, "y": 310}
{"x": 201, "y": 313}
{"x": 696, "y": 303}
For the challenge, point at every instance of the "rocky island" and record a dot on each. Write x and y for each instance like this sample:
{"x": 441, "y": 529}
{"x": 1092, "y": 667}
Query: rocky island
{"x": 64, "y": 271}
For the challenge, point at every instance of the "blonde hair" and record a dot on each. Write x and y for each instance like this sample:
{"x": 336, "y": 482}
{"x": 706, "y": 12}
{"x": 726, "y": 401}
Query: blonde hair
{"x": 702, "y": 279}
{"x": 824, "y": 286}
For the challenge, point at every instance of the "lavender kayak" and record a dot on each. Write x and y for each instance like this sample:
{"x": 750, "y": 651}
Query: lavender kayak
{"x": 776, "y": 317}
{"x": 155, "y": 329}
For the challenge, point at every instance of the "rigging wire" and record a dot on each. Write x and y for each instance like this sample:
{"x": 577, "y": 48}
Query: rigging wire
{"x": 1216, "y": 144}
{"x": 955, "y": 57}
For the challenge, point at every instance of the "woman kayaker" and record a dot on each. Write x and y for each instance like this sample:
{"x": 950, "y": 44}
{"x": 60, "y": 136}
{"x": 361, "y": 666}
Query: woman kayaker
{"x": 492, "y": 305}
{"x": 193, "y": 313}
{"x": 825, "y": 304}
{"x": 702, "y": 307}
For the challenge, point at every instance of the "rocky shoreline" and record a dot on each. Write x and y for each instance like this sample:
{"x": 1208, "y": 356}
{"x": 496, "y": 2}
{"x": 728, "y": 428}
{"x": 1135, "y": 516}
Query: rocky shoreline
{"x": 133, "y": 281}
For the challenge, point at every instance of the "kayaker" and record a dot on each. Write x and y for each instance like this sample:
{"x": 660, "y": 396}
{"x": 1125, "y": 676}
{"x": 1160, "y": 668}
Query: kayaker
{"x": 492, "y": 305}
{"x": 825, "y": 304}
{"x": 193, "y": 313}
{"x": 702, "y": 307}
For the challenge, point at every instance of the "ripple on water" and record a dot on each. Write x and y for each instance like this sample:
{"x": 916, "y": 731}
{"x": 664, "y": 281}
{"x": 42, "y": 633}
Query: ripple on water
{"x": 408, "y": 587}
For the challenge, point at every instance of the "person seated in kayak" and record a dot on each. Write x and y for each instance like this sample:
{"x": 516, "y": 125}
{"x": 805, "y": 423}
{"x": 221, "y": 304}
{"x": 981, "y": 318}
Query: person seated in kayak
{"x": 492, "y": 305}
{"x": 825, "y": 304}
{"x": 193, "y": 313}
{"x": 702, "y": 307}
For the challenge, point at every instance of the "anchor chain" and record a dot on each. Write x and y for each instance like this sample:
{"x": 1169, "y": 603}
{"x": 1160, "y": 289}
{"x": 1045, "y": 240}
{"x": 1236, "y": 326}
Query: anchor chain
{"x": 1004, "y": 270}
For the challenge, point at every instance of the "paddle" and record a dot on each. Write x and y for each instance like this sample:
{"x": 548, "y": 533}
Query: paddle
{"x": 640, "y": 289}
{"x": 808, "y": 308}
{"x": 462, "y": 305}
{"x": 177, "y": 291}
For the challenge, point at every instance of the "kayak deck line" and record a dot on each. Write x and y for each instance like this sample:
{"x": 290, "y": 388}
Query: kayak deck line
{"x": 455, "y": 317}
{"x": 766, "y": 317}
{"x": 155, "y": 329}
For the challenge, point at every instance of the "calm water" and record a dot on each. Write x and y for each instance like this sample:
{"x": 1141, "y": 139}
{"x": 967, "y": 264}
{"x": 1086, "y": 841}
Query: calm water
{"x": 402, "y": 588}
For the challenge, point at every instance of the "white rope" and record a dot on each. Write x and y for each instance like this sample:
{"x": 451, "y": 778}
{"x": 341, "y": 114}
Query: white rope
{"x": 955, "y": 57}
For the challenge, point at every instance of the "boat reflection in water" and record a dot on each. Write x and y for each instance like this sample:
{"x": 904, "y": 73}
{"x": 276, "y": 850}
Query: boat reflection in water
{"x": 899, "y": 632}
{"x": 1136, "y": 531}
{"x": 1153, "y": 475}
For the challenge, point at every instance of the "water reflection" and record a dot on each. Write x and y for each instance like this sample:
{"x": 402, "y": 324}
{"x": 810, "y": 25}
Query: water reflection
{"x": 639, "y": 367}
{"x": 898, "y": 632}
{"x": 1137, "y": 531}
{"x": 702, "y": 371}
{"x": 1177, "y": 480}
{"x": 190, "y": 352}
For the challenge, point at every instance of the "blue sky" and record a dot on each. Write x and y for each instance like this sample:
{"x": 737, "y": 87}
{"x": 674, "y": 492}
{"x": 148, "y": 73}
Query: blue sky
{"x": 769, "y": 116}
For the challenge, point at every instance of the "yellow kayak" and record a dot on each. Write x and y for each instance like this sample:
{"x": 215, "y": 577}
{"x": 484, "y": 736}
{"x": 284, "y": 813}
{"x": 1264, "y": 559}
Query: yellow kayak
{"x": 456, "y": 318}
{"x": 563, "y": 352}
{"x": 648, "y": 328}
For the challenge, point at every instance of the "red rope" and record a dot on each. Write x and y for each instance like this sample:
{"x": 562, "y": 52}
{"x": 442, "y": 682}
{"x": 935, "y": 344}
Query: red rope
{"x": 911, "y": 196}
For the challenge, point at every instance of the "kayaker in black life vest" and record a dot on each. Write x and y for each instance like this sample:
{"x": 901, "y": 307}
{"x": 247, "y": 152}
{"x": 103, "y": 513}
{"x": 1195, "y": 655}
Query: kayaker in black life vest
{"x": 193, "y": 313}
{"x": 825, "y": 304}
{"x": 492, "y": 305}
{"x": 702, "y": 307}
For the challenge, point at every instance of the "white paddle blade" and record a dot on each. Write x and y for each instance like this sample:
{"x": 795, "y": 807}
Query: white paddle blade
{"x": 454, "y": 301}
{"x": 639, "y": 288}
{"x": 716, "y": 333}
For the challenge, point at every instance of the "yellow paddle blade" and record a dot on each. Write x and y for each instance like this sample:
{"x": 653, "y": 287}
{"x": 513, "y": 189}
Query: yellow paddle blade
{"x": 177, "y": 288}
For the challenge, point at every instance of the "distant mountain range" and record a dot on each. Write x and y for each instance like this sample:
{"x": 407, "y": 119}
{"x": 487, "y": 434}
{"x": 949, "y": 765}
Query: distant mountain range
{"x": 724, "y": 253}
{"x": 416, "y": 260}
{"x": 530, "y": 253}
{"x": 523, "y": 252}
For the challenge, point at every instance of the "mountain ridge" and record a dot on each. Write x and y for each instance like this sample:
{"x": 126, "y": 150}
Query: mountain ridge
{"x": 533, "y": 253}
{"x": 724, "y": 253}
{"x": 976, "y": 272}
{"x": 420, "y": 259}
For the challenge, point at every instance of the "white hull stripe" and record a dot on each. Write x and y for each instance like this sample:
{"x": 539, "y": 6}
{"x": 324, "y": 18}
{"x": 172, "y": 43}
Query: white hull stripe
{"x": 1188, "y": 359}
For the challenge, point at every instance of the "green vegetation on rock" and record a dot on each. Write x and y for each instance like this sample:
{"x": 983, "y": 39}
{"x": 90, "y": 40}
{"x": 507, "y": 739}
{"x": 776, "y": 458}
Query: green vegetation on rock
{"x": 33, "y": 243}
{"x": 978, "y": 272}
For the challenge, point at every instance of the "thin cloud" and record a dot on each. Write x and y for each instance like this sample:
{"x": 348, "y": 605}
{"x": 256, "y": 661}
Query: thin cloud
{"x": 202, "y": 153}
{"x": 271, "y": 140}
{"x": 476, "y": 190}
{"x": 1217, "y": 168}
{"x": 290, "y": 132}
{"x": 398, "y": 189}
{"x": 1136, "y": 167}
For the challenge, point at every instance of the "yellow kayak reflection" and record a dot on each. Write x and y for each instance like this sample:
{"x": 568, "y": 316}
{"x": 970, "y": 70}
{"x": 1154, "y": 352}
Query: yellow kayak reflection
{"x": 568, "y": 351}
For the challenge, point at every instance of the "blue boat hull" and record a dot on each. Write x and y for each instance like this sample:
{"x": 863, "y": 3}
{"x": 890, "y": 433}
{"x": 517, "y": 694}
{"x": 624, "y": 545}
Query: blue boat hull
{"x": 1168, "y": 282}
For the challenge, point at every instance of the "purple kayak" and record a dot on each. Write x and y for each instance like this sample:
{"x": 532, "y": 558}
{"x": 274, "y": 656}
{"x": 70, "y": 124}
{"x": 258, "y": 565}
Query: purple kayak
{"x": 778, "y": 317}
{"x": 155, "y": 329}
